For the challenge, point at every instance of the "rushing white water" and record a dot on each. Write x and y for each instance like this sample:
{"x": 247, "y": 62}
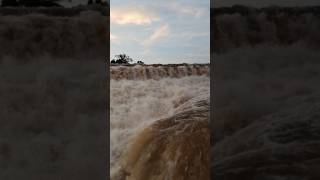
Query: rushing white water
{"x": 35, "y": 35}
{"x": 281, "y": 27}
{"x": 158, "y": 71}
{"x": 266, "y": 96}
{"x": 52, "y": 94}
{"x": 135, "y": 104}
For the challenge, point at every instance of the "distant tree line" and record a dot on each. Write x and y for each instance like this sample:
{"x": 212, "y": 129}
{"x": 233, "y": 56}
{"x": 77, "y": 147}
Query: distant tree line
{"x": 123, "y": 59}
{"x": 140, "y": 62}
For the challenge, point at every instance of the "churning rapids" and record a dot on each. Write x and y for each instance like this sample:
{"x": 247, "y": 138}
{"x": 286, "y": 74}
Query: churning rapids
{"x": 160, "y": 122}
{"x": 157, "y": 71}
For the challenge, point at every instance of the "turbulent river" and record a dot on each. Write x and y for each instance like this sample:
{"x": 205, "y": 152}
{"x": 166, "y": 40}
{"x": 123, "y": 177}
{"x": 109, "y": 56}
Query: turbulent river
{"x": 159, "y": 122}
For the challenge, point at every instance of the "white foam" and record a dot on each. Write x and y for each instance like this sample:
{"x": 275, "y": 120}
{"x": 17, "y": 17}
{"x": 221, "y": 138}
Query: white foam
{"x": 135, "y": 104}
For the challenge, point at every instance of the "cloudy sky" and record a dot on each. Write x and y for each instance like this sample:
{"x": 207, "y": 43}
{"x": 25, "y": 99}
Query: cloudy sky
{"x": 169, "y": 31}
{"x": 161, "y": 31}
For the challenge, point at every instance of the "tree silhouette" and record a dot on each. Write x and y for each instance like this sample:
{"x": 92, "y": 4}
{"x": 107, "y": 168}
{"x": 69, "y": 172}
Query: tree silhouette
{"x": 122, "y": 59}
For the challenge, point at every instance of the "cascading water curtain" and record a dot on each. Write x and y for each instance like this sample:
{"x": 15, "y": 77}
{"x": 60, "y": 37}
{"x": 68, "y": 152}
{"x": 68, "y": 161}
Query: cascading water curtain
{"x": 159, "y": 90}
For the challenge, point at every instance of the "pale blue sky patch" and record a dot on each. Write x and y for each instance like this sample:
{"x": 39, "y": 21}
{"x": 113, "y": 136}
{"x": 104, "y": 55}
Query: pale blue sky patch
{"x": 166, "y": 31}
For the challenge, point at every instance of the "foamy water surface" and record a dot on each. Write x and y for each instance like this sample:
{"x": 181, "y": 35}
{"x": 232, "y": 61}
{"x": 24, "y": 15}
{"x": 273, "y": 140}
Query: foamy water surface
{"x": 136, "y": 104}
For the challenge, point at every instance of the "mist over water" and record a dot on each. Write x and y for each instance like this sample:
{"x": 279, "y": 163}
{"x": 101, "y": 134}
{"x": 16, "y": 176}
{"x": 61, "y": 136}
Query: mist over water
{"x": 141, "y": 104}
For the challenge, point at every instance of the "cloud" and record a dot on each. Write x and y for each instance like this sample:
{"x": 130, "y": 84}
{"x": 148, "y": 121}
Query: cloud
{"x": 131, "y": 15}
{"x": 191, "y": 35}
{"x": 186, "y": 9}
{"x": 159, "y": 33}
{"x": 114, "y": 38}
